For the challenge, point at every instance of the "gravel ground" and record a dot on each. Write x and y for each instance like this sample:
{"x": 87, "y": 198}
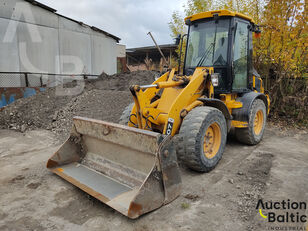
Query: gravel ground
{"x": 32, "y": 198}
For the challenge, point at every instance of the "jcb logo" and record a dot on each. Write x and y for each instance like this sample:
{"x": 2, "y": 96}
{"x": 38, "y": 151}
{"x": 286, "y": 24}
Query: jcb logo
{"x": 169, "y": 126}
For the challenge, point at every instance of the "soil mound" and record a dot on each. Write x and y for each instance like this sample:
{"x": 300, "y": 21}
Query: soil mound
{"x": 104, "y": 98}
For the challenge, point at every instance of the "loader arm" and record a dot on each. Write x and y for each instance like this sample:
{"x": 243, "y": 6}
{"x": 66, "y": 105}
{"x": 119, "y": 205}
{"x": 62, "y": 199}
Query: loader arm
{"x": 178, "y": 94}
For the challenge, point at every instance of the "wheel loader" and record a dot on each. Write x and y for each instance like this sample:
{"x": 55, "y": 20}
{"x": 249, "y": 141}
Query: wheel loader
{"x": 133, "y": 166}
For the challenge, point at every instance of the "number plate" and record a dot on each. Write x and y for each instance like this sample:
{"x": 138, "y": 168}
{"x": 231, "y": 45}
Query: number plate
{"x": 169, "y": 126}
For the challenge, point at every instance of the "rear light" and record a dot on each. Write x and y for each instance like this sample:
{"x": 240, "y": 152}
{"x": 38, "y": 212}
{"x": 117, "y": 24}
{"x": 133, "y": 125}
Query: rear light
{"x": 257, "y": 34}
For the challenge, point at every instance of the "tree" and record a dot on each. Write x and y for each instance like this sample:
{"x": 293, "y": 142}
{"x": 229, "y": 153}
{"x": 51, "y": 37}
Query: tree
{"x": 281, "y": 54}
{"x": 191, "y": 7}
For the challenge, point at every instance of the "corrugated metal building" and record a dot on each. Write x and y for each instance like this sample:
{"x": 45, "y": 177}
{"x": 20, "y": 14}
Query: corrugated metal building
{"x": 34, "y": 38}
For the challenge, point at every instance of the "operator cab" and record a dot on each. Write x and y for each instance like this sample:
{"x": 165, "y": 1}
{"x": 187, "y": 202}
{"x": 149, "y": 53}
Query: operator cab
{"x": 223, "y": 40}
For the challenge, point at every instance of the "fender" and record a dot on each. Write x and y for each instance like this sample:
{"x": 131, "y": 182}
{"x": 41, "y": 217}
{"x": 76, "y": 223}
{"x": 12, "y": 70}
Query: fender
{"x": 216, "y": 103}
{"x": 242, "y": 114}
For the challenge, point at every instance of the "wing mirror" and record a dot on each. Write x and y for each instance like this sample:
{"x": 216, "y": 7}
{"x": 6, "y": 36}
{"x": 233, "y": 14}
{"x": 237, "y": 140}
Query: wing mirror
{"x": 177, "y": 39}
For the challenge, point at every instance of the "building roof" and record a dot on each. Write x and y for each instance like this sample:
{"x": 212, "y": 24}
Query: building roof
{"x": 36, "y": 3}
{"x": 152, "y": 48}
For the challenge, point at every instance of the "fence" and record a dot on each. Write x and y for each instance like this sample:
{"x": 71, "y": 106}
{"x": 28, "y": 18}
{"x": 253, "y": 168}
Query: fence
{"x": 28, "y": 79}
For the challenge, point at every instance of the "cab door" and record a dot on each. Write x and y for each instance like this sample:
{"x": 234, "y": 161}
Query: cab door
{"x": 240, "y": 56}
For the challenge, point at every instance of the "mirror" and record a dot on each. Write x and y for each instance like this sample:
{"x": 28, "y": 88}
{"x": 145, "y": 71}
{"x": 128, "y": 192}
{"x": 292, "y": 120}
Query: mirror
{"x": 177, "y": 39}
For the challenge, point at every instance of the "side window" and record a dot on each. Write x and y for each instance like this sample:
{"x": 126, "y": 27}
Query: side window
{"x": 221, "y": 48}
{"x": 240, "y": 61}
{"x": 193, "y": 48}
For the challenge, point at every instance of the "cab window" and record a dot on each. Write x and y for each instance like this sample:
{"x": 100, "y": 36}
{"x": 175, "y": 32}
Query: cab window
{"x": 240, "y": 57}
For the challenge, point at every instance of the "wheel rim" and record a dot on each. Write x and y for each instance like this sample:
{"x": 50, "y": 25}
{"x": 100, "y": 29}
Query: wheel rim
{"x": 212, "y": 141}
{"x": 258, "y": 122}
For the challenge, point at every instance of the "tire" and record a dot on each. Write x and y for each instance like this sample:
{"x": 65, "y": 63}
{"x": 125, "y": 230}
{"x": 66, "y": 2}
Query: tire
{"x": 257, "y": 120}
{"x": 191, "y": 143}
{"x": 124, "y": 119}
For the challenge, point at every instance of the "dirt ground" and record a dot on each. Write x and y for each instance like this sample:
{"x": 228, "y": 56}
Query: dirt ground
{"x": 32, "y": 198}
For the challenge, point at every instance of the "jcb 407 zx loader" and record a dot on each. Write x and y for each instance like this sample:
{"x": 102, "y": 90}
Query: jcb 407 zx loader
{"x": 132, "y": 166}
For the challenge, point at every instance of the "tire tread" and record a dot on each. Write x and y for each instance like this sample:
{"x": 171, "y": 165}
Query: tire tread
{"x": 189, "y": 131}
{"x": 246, "y": 135}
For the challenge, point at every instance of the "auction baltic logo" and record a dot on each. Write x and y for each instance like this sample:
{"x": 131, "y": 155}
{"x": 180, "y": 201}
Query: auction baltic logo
{"x": 283, "y": 212}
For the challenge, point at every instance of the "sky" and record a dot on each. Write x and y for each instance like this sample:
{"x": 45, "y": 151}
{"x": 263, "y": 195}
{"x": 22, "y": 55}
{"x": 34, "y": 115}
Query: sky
{"x": 129, "y": 20}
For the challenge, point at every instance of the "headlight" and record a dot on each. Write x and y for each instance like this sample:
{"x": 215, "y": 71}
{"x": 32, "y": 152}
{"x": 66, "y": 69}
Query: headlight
{"x": 215, "y": 78}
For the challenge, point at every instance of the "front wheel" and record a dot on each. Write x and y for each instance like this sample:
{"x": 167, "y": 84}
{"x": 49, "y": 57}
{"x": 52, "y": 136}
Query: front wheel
{"x": 202, "y": 138}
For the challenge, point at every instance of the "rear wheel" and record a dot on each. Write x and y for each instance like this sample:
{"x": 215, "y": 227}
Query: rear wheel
{"x": 124, "y": 119}
{"x": 257, "y": 121}
{"x": 202, "y": 138}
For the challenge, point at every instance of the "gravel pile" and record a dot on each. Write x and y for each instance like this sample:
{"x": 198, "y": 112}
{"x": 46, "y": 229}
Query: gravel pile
{"x": 104, "y": 98}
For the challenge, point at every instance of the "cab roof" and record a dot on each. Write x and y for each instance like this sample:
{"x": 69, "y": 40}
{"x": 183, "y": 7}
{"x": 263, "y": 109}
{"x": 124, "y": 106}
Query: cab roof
{"x": 210, "y": 14}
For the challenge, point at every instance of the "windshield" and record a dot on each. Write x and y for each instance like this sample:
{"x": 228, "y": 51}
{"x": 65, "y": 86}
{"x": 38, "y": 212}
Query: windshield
{"x": 208, "y": 44}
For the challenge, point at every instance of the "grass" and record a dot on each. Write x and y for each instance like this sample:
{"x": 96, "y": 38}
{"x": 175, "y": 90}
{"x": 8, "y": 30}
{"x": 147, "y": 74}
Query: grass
{"x": 185, "y": 205}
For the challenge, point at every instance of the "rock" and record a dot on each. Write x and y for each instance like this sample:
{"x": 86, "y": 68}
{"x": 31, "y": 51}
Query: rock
{"x": 225, "y": 195}
{"x": 248, "y": 193}
{"x": 23, "y": 128}
{"x": 240, "y": 173}
{"x": 231, "y": 181}
{"x": 34, "y": 185}
{"x": 192, "y": 197}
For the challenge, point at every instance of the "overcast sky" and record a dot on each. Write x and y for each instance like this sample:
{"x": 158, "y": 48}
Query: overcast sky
{"x": 130, "y": 20}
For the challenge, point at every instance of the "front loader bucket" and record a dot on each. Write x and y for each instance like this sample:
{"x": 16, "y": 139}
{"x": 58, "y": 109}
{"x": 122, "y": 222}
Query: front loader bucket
{"x": 133, "y": 171}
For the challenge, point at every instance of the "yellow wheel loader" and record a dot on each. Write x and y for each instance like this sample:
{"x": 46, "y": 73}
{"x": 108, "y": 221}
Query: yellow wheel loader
{"x": 132, "y": 166}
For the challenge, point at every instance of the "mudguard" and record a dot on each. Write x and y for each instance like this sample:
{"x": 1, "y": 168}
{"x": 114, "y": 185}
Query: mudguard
{"x": 247, "y": 99}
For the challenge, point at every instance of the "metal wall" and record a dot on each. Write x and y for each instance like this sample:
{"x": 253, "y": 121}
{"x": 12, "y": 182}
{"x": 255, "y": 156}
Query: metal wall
{"x": 33, "y": 39}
